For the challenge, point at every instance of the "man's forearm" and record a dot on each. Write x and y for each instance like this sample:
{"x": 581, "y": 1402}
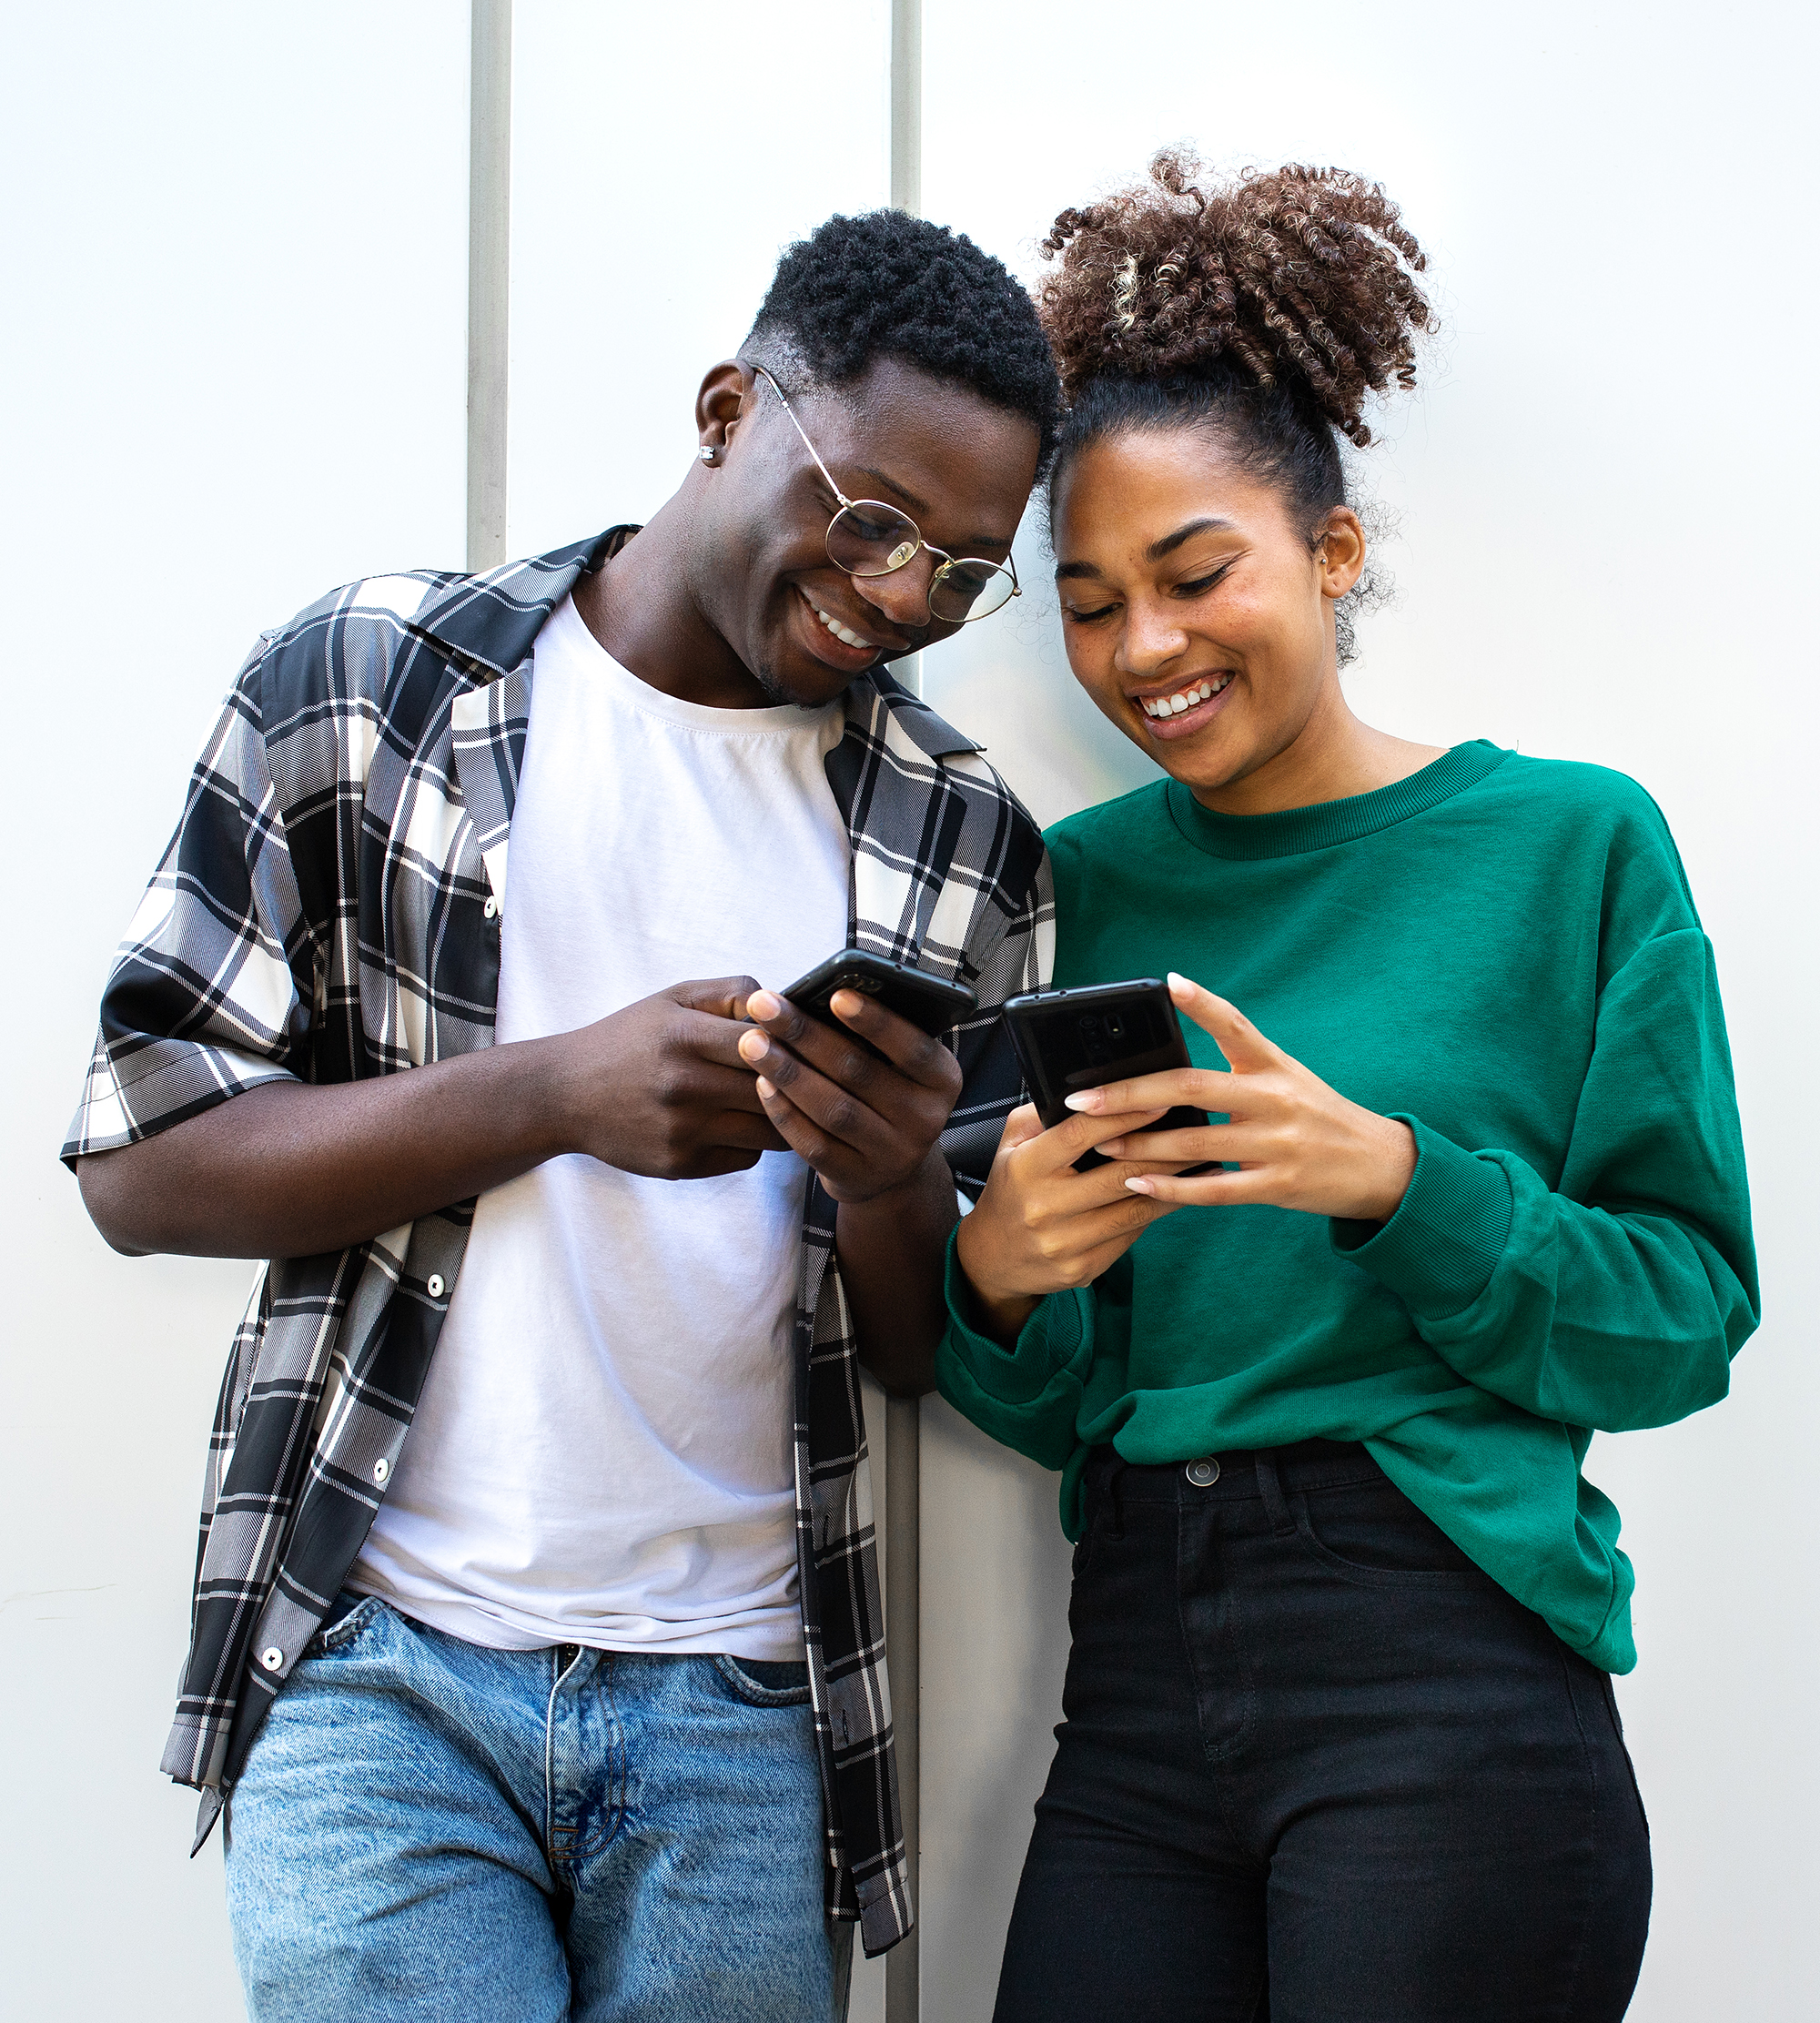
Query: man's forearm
{"x": 291, "y": 1170}
{"x": 891, "y": 1250}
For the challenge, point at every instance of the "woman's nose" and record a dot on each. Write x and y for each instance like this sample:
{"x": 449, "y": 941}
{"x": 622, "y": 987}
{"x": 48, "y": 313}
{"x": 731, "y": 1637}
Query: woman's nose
{"x": 1150, "y": 640}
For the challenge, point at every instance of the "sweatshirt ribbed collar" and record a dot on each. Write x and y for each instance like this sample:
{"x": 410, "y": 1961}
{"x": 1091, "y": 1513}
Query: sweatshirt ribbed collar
{"x": 1290, "y": 832}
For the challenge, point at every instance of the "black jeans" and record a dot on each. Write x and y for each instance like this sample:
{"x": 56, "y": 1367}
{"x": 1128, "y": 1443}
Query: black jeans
{"x": 1316, "y": 1768}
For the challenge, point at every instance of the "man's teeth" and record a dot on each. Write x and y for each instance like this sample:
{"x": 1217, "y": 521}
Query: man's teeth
{"x": 1160, "y": 706}
{"x": 842, "y": 633}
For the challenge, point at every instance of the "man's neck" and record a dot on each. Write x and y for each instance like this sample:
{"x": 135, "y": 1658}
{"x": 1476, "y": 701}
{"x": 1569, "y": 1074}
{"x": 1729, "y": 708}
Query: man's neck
{"x": 641, "y": 609}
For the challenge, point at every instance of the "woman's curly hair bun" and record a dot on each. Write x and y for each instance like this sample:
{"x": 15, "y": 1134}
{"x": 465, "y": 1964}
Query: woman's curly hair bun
{"x": 1296, "y": 278}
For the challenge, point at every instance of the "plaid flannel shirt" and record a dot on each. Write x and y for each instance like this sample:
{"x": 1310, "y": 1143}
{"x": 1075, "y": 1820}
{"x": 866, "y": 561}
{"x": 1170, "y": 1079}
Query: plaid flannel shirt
{"x": 330, "y": 908}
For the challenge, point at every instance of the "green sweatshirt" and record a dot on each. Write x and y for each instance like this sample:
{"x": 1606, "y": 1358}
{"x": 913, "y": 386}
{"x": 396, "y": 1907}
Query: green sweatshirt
{"x": 1503, "y": 952}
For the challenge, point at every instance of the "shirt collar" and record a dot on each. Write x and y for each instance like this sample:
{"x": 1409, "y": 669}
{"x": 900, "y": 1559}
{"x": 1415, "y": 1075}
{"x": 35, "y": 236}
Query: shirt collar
{"x": 487, "y": 625}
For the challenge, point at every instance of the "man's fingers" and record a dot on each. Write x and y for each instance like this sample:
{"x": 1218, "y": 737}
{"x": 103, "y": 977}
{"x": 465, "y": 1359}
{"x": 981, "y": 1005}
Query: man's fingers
{"x": 1245, "y": 1048}
{"x": 830, "y": 1109}
{"x": 908, "y": 1048}
{"x": 705, "y": 1084}
{"x": 753, "y": 1132}
{"x": 777, "y": 1024}
{"x": 836, "y": 1051}
{"x": 721, "y": 996}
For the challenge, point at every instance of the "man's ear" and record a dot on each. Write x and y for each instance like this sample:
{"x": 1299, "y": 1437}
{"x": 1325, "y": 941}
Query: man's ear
{"x": 722, "y": 399}
{"x": 1341, "y": 560}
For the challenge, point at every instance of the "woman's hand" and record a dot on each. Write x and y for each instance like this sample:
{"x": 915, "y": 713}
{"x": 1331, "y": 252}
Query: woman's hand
{"x": 1297, "y": 1143}
{"x": 1040, "y": 1226}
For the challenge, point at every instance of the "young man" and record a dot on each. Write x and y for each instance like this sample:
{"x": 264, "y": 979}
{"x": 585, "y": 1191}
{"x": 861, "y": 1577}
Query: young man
{"x": 537, "y": 1654}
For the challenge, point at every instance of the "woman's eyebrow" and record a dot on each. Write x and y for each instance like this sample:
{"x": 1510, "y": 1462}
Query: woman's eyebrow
{"x": 1208, "y": 523}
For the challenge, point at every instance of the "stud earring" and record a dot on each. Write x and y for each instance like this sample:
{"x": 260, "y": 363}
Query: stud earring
{"x": 707, "y": 453}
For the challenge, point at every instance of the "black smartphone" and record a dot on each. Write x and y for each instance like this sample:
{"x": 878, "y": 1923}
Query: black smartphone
{"x": 928, "y": 1002}
{"x": 1075, "y": 1039}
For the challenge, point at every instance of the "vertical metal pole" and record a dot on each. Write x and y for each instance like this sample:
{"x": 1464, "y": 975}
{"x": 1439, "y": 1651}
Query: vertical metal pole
{"x": 904, "y": 1416}
{"x": 489, "y": 275}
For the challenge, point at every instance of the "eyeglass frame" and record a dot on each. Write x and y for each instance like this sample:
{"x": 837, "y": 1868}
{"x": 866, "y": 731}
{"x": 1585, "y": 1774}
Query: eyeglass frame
{"x": 1008, "y": 567}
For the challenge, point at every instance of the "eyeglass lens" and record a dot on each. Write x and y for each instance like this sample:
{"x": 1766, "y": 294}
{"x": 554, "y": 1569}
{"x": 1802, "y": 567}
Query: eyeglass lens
{"x": 870, "y": 539}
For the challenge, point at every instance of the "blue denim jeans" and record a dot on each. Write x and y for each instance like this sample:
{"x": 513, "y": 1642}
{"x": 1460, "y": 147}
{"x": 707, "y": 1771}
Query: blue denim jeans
{"x": 428, "y": 1829}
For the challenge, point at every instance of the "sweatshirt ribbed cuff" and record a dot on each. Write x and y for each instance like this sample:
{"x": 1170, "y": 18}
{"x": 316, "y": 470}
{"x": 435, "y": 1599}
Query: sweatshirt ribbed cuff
{"x": 1047, "y": 1342}
{"x": 1436, "y": 1253}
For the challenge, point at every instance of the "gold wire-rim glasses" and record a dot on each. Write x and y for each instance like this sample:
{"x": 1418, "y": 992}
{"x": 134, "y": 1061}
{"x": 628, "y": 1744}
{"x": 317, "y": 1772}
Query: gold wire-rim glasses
{"x": 908, "y": 545}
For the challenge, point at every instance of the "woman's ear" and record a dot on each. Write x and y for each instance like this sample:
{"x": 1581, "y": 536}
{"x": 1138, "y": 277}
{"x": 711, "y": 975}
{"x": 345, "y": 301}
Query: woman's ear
{"x": 1339, "y": 557}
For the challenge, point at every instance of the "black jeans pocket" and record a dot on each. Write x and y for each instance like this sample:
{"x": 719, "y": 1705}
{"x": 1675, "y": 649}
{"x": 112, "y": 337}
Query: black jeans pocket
{"x": 1370, "y": 1533}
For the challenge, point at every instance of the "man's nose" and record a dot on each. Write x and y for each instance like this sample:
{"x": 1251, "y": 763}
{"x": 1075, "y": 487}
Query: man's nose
{"x": 903, "y": 596}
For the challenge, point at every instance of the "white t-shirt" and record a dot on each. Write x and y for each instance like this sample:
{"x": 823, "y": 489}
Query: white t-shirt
{"x": 601, "y": 1455}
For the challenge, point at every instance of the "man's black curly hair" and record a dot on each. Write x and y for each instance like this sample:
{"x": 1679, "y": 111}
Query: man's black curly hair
{"x": 887, "y": 285}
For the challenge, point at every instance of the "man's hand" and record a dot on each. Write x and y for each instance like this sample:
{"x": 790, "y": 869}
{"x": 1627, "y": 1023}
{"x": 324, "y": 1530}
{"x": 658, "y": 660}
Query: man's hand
{"x": 870, "y": 1129}
{"x": 659, "y": 1086}
{"x": 866, "y": 1125}
{"x": 291, "y": 1169}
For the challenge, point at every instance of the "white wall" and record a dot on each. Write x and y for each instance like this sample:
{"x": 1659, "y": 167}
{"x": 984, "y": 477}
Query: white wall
{"x": 234, "y": 376}
{"x": 235, "y": 359}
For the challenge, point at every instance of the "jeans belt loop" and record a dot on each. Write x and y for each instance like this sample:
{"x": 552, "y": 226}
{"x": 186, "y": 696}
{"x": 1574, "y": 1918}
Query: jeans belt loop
{"x": 1271, "y": 1488}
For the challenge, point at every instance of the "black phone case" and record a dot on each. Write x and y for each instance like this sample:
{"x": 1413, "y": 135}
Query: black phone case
{"x": 1067, "y": 1040}
{"x": 929, "y": 1003}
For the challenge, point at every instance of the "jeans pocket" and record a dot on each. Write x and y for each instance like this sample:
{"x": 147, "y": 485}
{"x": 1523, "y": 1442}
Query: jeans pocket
{"x": 761, "y": 1684}
{"x": 1372, "y": 1534}
{"x": 348, "y": 1631}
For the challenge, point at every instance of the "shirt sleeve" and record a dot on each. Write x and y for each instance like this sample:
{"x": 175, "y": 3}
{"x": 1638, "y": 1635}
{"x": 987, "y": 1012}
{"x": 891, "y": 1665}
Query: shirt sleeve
{"x": 1617, "y": 1299}
{"x": 210, "y": 992}
{"x": 1027, "y": 1397}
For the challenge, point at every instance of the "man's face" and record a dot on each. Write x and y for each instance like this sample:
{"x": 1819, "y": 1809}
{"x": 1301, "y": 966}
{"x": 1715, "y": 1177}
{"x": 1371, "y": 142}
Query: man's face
{"x": 961, "y": 468}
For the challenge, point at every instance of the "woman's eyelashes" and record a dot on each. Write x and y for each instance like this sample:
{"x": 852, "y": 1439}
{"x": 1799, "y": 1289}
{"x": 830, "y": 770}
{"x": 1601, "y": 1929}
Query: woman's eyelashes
{"x": 1196, "y": 587}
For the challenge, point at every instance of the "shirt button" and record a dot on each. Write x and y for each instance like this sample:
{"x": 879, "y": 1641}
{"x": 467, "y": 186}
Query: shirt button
{"x": 433, "y": 1284}
{"x": 271, "y": 1657}
{"x": 381, "y": 1469}
{"x": 1205, "y": 1473}
{"x": 490, "y": 911}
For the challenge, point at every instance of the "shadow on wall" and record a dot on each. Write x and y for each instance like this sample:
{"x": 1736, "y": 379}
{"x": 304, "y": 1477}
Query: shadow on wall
{"x": 996, "y": 1573}
{"x": 1005, "y": 682}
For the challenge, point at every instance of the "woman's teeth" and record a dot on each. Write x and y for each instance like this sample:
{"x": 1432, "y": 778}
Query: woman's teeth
{"x": 1160, "y": 706}
{"x": 846, "y": 636}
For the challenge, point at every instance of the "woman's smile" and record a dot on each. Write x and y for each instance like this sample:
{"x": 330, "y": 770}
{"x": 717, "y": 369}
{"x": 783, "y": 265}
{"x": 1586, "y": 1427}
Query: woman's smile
{"x": 1181, "y": 711}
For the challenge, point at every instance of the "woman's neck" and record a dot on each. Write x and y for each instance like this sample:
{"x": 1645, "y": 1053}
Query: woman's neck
{"x": 1333, "y": 757}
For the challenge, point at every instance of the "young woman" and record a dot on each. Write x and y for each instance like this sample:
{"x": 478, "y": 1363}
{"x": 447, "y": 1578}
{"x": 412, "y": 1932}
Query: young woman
{"x": 1341, "y": 1744}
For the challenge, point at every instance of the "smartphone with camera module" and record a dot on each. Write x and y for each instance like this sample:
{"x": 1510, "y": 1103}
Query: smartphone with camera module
{"x": 1068, "y": 1040}
{"x": 931, "y": 1003}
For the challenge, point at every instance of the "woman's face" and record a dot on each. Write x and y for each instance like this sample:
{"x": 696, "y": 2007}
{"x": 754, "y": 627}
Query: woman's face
{"x": 1196, "y": 613}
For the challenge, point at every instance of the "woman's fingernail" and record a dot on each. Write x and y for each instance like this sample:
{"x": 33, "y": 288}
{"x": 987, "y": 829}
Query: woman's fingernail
{"x": 1137, "y": 1187}
{"x": 1178, "y": 983}
{"x": 753, "y": 1047}
{"x": 766, "y": 1089}
{"x": 1088, "y": 1099}
{"x": 763, "y": 1005}
{"x": 1111, "y": 1149}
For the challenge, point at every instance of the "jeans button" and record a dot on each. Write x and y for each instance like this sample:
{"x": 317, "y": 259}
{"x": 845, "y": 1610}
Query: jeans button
{"x": 1205, "y": 1473}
